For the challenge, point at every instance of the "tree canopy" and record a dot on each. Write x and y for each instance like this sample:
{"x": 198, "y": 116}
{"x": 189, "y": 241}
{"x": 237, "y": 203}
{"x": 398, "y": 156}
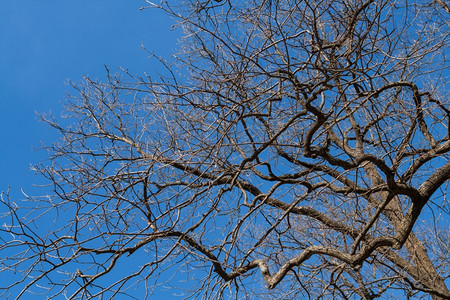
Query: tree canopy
{"x": 290, "y": 149}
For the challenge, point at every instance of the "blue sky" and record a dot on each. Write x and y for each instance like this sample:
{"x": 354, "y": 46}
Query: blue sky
{"x": 45, "y": 43}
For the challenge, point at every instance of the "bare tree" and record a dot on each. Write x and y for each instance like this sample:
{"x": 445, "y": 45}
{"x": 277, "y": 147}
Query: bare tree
{"x": 292, "y": 149}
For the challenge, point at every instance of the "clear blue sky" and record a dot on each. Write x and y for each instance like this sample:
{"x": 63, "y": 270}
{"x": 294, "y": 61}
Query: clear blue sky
{"x": 45, "y": 43}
